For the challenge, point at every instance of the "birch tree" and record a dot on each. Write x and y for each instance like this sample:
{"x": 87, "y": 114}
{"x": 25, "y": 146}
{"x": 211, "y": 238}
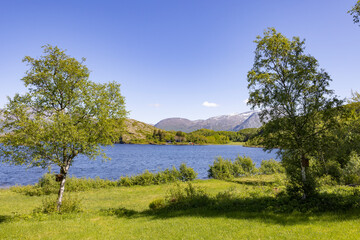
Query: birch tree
{"x": 292, "y": 92}
{"x": 62, "y": 115}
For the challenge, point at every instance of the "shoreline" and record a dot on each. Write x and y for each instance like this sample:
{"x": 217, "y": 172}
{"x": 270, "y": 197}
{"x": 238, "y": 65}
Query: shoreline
{"x": 195, "y": 144}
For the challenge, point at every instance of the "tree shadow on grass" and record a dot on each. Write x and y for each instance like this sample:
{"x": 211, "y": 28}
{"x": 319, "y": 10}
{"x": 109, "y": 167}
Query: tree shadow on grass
{"x": 282, "y": 210}
{"x": 120, "y": 212}
{"x": 254, "y": 183}
{"x": 5, "y": 218}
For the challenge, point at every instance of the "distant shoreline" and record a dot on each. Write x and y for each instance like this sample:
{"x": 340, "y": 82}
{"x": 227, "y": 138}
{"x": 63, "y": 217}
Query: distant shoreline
{"x": 195, "y": 144}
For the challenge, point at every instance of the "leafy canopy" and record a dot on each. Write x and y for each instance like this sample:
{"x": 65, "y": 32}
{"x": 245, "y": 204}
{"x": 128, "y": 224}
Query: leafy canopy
{"x": 355, "y": 12}
{"x": 62, "y": 115}
{"x": 290, "y": 89}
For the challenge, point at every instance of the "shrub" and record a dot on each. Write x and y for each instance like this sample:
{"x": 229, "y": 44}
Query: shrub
{"x": 351, "y": 172}
{"x": 186, "y": 197}
{"x": 226, "y": 169}
{"x": 326, "y": 180}
{"x": 68, "y": 205}
{"x": 246, "y": 164}
{"x": 271, "y": 166}
{"x": 187, "y": 173}
{"x": 223, "y": 169}
{"x": 48, "y": 184}
{"x": 168, "y": 175}
{"x": 144, "y": 179}
{"x": 125, "y": 181}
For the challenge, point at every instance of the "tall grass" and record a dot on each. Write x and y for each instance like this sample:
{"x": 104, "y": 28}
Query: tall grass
{"x": 48, "y": 185}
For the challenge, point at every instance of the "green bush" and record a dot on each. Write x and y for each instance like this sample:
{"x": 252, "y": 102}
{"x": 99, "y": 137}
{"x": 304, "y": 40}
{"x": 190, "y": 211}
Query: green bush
{"x": 226, "y": 169}
{"x": 270, "y": 167}
{"x": 186, "y": 173}
{"x": 351, "y": 172}
{"x": 326, "y": 180}
{"x": 223, "y": 169}
{"x": 125, "y": 181}
{"x": 246, "y": 163}
{"x": 68, "y": 205}
{"x": 144, "y": 179}
{"x": 186, "y": 197}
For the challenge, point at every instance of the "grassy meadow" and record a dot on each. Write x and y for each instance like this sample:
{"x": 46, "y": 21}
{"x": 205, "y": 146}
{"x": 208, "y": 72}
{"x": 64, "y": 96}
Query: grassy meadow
{"x": 124, "y": 213}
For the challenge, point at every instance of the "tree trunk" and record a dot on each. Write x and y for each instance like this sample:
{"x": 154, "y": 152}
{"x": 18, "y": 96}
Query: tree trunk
{"x": 303, "y": 175}
{"x": 62, "y": 189}
{"x": 304, "y": 165}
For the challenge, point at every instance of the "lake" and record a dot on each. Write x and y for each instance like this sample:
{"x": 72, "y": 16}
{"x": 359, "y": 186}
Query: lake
{"x": 128, "y": 159}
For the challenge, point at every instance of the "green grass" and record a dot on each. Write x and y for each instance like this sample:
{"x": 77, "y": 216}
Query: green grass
{"x": 138, "y": 222}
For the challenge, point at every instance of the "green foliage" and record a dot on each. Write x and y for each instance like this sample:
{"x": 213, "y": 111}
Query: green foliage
{"x": 255, "y": 140}
{"x": 48, "y": 185}
{"x": 159, "y": 135}
{"x": 185, "y": 197}
{"x": 355, "y": 12}
{"x": 207, "y": 136}
{"x": 201, "y": 136}
{"x": 296, "y": 186}
{"x": 351, "y": 172}
{"x": 62, "y": 115}
{"x": 180, "y": 134}
{"x": 326, "y": 180}
{"x": 259, "y": 199}
{"x": 168, "y": 175}
{"x": 70, "y": 204}
{"x": 246, "y": 164}
{"x": 186, "y": 173}
{"x": 340, "y": 142}
{"x": 144, "y": 179}
{"x": 271, "y": 166}
{"x": 292, "y": 92}
{"x": 224, "y": 169}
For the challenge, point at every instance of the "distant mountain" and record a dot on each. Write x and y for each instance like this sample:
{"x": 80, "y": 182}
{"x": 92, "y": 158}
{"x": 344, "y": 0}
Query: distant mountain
{"x": 234, "y": 122}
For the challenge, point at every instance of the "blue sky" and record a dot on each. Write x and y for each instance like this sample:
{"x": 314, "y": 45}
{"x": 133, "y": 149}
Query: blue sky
{"x": 176, "y": 58}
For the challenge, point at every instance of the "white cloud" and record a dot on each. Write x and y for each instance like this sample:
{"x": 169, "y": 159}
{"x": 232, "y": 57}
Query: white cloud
{"x": 208, "y": 104}
{"x": 156, "y": 105}
{"x": 246, "y": 100}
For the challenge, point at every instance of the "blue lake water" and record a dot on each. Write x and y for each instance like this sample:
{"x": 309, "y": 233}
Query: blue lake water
{"x": 134, "y": 159}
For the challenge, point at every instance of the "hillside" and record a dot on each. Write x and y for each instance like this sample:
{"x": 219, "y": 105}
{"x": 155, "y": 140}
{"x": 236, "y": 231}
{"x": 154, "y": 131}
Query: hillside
{"x": 234, "y": 122}
{"x": 136, "y": 131}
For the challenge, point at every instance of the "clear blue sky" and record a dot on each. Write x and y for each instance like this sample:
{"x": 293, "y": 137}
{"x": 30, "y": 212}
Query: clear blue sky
{"x": 172, "y": 56}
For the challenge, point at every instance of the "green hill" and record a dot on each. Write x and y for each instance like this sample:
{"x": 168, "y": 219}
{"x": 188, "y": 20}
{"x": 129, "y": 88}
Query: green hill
{"x": 137, "y": 132}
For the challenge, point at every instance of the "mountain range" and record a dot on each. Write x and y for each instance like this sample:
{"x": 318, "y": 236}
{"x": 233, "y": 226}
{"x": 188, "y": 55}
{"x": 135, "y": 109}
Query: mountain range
{"x": 233, "y": 122}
